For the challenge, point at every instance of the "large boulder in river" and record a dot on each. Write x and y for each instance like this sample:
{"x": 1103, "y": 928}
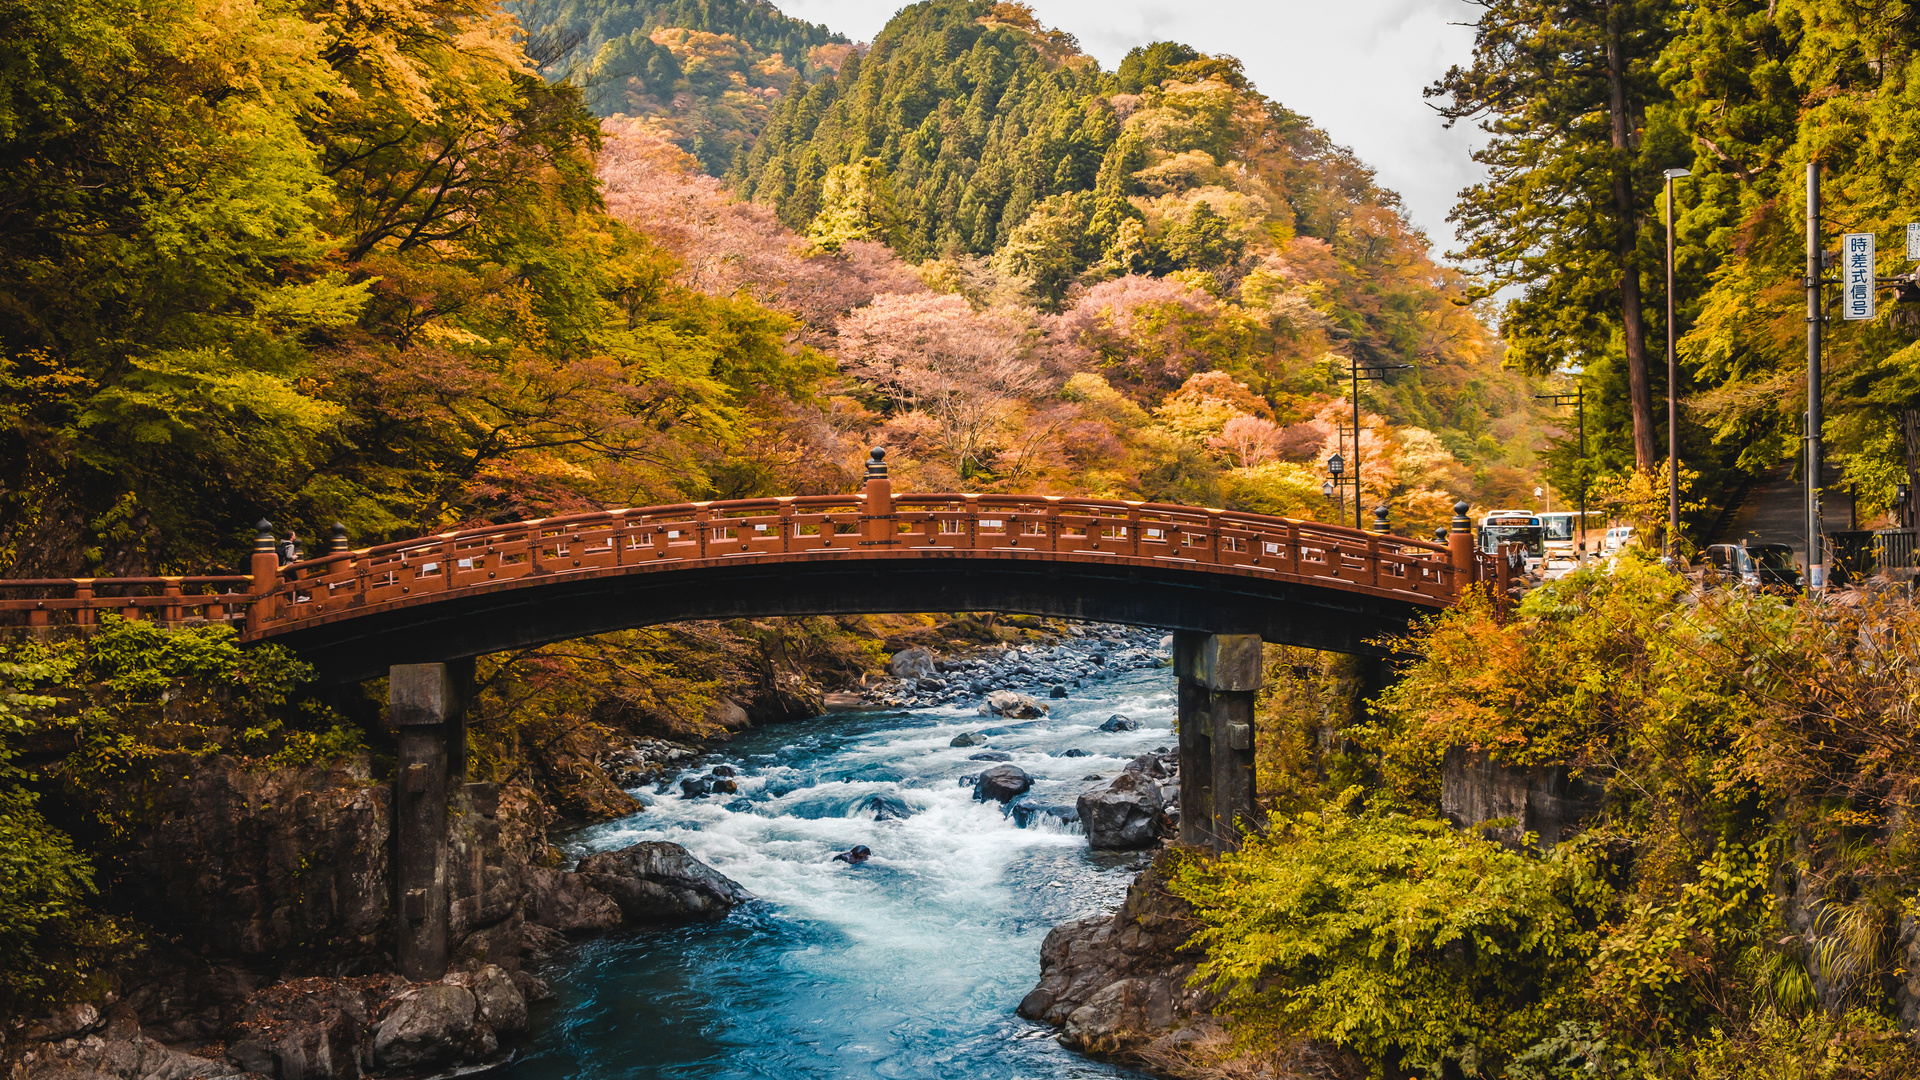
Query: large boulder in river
{"x": 1117, "y": 722}
{"x": 1001, "y": 783}
{"x": 560, "y": 900}
{"x": 1011, "y": 705}
{"x": 657, "y": 881}
{"x": 1126, "y": 814}
{"x": 914, "y": 663}
{"x": 969, "y": 738}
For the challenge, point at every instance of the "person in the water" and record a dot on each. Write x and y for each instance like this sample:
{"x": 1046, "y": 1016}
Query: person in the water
{"x": 855, "y": 855}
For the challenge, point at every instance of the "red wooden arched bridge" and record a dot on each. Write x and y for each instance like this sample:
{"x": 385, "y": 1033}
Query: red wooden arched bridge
{"x": 1224, "y": 582}
{"x": 355, "y": 613}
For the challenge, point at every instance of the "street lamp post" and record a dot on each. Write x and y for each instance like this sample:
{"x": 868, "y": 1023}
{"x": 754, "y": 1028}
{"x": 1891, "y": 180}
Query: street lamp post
{"x": 1332, "y": 489}
{"x": 1673, "y": 389}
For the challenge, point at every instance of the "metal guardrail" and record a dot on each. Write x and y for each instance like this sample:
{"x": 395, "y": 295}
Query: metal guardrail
{"x": 1894, "y": 549}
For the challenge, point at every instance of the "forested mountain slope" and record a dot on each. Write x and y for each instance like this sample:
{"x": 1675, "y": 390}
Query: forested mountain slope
{"x": 974, "y": 137}
{"x": 710, "y": 71}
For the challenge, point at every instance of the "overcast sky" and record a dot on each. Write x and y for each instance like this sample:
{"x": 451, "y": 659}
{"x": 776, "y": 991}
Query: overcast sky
{"x": 1356, "y": 67}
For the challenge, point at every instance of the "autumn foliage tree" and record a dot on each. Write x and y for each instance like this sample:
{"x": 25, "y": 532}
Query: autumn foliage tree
{"x": 332, "y": 263}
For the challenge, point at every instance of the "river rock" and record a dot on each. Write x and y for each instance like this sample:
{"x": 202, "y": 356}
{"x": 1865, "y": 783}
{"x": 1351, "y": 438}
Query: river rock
{"x": 560, "y": 900}
{"x": 969, "y": 738}
{"x": 1057, "y": 692}
{"x": 696, "y": 787}
{"x": 657, "y": 881}
{"x": 120, "y": 1050}
{"x": 313, "y": 1027}
{"x": 724, "y": 787}
{"x": 728, "y": 715}
{"x": 1001, "y": 783}
{"x": 1075, "y": 752}
{"x": 914, "y": 663}
{"x": 721, "y": 770}
{"x": 885, "y": 808}
{"x": 1159, "y": 765}
{"x": 65, "y": 1022}
{"x": 1026, "y": 813}
{"x": 459, "y": 1019}
{"x": 503, "y": 1007}
{"x": 1125, "y": 815}
{"x": 990, "y": 755}
{"x": 1013, "y": 706}
{"x": 1117, "y": 722}
{"x": 435, "y": 1024}
{"x": 930, "y": 684}
{"x": 1120, "y": 982}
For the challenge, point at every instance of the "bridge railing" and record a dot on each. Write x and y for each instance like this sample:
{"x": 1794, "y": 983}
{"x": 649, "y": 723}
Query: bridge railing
{"x": 55, "y": 602}
{"x": 872, "y": 525}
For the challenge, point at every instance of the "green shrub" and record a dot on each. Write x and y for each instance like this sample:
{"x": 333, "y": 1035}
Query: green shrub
{"x": 46, "y": 931}
{"x": 1396, "y": 937}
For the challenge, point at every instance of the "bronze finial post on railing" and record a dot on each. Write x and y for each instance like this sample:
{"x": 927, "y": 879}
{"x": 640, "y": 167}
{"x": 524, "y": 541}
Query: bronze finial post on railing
{"x": 1460, "y": 547}
{"x": 265, "y": 568}
{"x": 879, "y": 509}
{"x": 337, "y": 538}
{"x": 1380, "y": 522}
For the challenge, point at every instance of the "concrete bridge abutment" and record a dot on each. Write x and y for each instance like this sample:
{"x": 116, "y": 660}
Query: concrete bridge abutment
{"x": 1219, "y": 676}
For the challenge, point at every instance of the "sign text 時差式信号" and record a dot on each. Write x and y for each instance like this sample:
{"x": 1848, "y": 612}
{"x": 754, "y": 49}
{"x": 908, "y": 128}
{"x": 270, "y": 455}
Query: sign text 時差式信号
{"x": 1857, "y": 267}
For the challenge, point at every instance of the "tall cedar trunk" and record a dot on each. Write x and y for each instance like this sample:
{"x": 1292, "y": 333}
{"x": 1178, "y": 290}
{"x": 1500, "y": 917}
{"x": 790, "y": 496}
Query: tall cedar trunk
{"x": 1638, "y": 386}
{"x": 1910, "y": 429}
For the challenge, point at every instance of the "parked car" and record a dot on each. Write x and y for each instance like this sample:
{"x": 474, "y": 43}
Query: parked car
{"x": 1618, "y": 537}
{"x": 1756, "y": 566}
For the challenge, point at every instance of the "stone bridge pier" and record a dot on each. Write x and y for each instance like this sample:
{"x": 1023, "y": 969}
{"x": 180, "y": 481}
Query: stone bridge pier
{"x": 1219, "y": 675}
{"x": 427, "y": 705}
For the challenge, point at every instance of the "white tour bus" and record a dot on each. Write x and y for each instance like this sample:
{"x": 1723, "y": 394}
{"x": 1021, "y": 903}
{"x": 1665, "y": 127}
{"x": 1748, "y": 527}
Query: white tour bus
{"x": 1563, "y": 531}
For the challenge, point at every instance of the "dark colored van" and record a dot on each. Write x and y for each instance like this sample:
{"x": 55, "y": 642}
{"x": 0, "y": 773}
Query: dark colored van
{"x": 1756, "y": 566}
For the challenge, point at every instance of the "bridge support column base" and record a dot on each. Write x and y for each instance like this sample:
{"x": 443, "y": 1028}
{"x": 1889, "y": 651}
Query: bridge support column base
{"x": 426, "y": 703}
{"x": 1219, "y": 677}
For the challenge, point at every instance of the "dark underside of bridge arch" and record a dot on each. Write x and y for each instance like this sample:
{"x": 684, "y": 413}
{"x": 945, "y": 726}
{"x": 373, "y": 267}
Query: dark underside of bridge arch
{"x": 526, "y": 613}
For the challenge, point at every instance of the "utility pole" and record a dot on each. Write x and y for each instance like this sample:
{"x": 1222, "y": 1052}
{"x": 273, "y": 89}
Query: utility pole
{"x": 1360, "y": 371}
{"x": 1816, "y": 570}
{"x": 1577, "y": 399}
{"x": 1356, "y": 443}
